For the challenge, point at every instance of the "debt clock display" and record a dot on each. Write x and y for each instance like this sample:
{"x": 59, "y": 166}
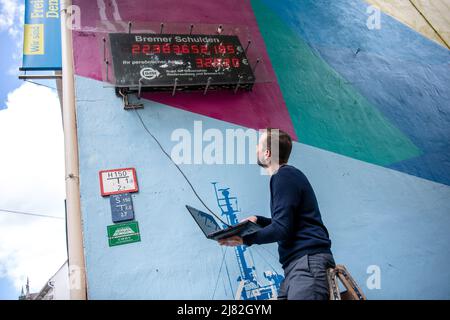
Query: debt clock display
{"x": 159, "y": 62}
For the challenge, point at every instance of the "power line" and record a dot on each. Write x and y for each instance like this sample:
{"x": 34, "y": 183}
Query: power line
{"x": 179, "y": 169}
{"x": 220, "y": 270}
{"x": 229, "y": 278}
{"x": 265, "y": 260}
{"x": 31, "y": 214}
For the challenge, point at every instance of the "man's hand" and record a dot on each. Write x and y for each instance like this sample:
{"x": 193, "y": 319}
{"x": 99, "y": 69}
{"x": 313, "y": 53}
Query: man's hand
{"x": 233, "y": 241}
{"x": 251, "y": 218}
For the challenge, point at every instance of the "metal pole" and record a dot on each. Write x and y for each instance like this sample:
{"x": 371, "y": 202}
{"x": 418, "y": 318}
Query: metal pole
{"x": 77, "y": 278}
{"x": 39, "y": 76}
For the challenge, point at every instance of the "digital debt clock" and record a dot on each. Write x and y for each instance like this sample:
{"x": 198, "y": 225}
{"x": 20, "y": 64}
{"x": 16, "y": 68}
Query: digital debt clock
{"x": 160, "y": 62}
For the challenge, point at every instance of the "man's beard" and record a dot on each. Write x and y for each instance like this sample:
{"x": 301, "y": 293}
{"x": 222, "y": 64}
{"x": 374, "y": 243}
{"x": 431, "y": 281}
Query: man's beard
{"x": 263, "y": 165}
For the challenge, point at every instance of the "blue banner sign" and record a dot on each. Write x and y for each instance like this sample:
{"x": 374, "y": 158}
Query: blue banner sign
{"x": 42, "y": 35}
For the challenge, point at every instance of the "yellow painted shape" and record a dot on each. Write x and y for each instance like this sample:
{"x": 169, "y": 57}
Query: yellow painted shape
{"x": 437, "y": 12}
{"x": 33, "y": 39}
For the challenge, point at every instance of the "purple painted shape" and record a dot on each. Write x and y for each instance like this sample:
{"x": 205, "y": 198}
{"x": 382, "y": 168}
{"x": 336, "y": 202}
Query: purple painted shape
{"x": 263, "y": 107}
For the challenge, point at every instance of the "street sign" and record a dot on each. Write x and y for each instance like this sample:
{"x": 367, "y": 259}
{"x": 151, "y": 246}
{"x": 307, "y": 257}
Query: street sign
{"x": 116, "y": 181}
{"x": 123, "y": 233}
{"x": 121, "y": 207}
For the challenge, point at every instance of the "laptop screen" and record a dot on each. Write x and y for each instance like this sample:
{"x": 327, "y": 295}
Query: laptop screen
{"x": 205, "y": 221}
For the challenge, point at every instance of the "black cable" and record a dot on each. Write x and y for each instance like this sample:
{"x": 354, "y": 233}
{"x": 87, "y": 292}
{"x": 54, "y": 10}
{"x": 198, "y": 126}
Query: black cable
{"x": 218, "y": 274}
{"x": 179, "y": 169}
{"x": 31, "y": 214}
{"x": 265, "y": 260}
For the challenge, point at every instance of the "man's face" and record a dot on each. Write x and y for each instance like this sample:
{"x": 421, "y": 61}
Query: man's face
{"x": 262, "y": 154}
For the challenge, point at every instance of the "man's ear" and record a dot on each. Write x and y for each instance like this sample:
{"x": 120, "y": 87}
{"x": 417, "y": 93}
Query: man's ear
{"x": 268, "y": 153}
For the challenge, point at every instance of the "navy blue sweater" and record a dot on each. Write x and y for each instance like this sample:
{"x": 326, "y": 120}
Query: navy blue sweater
{"x": 296, "y": 223}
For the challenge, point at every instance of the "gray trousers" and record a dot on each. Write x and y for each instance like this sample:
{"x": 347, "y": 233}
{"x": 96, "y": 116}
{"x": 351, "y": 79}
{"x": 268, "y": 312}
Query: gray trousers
{"x": 306, "y": 278}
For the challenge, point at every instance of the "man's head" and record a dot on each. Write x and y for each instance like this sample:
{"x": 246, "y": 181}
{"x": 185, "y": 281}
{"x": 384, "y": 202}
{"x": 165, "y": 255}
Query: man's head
{"x": 274, "y": 148}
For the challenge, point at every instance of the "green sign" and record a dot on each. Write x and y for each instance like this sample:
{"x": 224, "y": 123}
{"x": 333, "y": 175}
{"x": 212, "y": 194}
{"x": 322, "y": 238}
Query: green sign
{"x": 123, "y": 233}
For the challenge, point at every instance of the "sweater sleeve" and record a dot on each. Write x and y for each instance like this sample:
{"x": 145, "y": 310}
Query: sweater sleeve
{"x": 263, "y": 221}
{"x": 285, "y": 198}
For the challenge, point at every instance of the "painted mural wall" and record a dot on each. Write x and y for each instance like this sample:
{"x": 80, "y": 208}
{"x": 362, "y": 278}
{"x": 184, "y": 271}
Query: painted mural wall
{"x": 370, "y": 114}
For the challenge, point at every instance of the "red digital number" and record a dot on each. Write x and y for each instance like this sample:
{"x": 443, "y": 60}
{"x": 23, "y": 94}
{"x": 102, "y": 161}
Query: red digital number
{"x": 185, "y": 48}
{"x": 208, "y": 62}
{"x": 235, "y": 62}
{"x": 217, "y": 62}
{"x": 145, "y": 48}
{"x": 156, "y": 48}
{"x": 176, "y": 48}
{"x": 219, "y": 49}
{"x": 199, "y": 62}
{"x": 194, "y": 48}
{"x": 166, "y": 48}
{"x": 204, "y": 49}
{"x": 135, "y": 49}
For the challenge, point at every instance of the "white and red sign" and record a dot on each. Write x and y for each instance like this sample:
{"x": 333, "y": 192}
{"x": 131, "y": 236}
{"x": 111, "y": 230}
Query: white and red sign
{"x": 117, "y": 181}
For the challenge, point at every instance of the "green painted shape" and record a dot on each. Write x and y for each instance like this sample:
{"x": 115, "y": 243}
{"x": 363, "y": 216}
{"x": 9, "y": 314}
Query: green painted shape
{"x": 327, "y": 112}
{"x": 123, "y": 233}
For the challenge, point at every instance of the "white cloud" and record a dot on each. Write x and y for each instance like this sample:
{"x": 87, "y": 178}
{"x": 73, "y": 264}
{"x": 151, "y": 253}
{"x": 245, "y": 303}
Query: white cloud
{"x": 32, "y": 180}
{"x": 12, "y": 13}
{"x": 8, "y": 9}
{"x": 12, "y": 17}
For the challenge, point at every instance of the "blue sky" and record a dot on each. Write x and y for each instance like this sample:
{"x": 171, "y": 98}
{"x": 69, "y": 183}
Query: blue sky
{"x": 33, "y": 153}
{"x": 7, "y": 290}
{"x": 8, "y": 81}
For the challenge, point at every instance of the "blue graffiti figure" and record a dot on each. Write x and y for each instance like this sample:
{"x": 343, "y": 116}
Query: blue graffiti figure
{"x": 248, "y": 288}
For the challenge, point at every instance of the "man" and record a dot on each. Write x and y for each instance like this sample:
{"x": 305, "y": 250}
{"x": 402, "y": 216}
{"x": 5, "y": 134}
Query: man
{"x": 296, "y": 224}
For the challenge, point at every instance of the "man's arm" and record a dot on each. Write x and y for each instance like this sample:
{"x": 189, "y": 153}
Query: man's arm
{"x": 260, "y": 220}
{"x": 237, "y": 240}
{"x": 284, "y": 200}
{"x": 263, "y": 221}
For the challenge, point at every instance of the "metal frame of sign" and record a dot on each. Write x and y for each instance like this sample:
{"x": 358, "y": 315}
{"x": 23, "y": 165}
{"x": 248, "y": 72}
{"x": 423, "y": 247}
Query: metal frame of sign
{"x": 102, "y": 191}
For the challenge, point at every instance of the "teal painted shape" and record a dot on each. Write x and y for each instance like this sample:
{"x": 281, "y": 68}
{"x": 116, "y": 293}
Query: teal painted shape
{"x": 327, "y": 111}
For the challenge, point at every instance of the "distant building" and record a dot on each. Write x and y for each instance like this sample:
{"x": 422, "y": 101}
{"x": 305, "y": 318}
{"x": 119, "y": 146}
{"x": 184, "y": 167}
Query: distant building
{"x": 56, "y": 288}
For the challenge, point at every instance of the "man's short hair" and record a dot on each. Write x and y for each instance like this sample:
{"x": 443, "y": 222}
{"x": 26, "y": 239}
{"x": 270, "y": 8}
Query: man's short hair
{"x": 284, "y": 143}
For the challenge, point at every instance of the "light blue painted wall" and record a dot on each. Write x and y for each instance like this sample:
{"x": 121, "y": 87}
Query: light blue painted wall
{"x": 375, "y": 215}
{"x": 174, "y": 260}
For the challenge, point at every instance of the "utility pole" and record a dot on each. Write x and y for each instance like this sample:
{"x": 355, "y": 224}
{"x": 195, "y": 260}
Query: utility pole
{"x": 77, "y": 271}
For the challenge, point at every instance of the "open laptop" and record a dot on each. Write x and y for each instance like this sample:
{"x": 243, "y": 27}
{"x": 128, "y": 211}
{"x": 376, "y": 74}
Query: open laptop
{"x": 213, "y": 231}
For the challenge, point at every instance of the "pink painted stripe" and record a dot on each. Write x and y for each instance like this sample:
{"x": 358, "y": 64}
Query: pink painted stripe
{"x": 263, "y": 107}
